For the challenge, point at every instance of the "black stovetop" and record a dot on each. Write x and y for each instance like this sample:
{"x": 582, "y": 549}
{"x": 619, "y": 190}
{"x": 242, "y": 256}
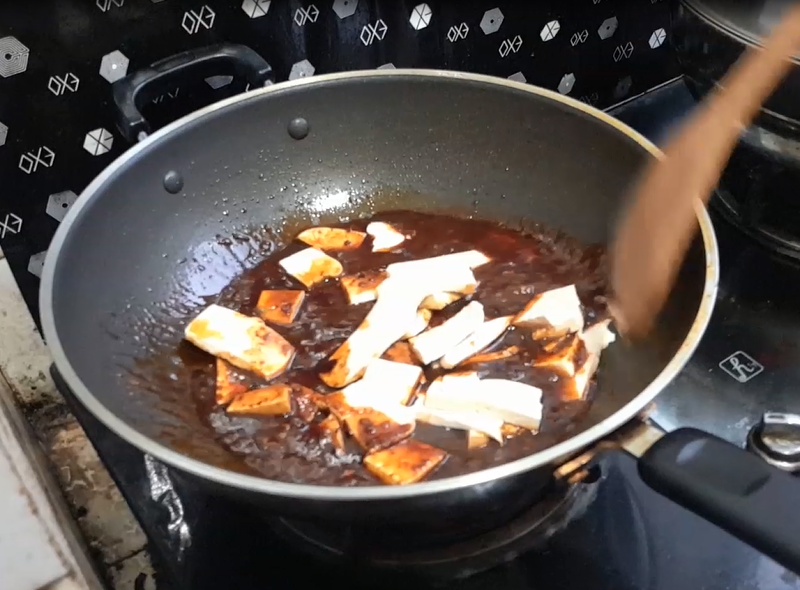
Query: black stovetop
{"x": 628, "y": 538}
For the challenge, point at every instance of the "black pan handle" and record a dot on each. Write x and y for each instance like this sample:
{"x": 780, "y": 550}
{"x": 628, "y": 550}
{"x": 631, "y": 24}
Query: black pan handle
{"x": 730, "y": 487}
{"x": 135, "y": 90}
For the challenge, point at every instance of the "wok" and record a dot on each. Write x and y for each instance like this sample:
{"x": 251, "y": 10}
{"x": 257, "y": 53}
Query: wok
{"x": 175, "y": 218}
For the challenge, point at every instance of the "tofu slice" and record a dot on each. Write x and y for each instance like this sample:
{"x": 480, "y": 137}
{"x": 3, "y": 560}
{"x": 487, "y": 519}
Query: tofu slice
{"x": 331, "y": 429}
{"x": 598, "y": 337}
{"x": 563, "y": 355}
{"x": 481, "y": 338}
{"x": 280, "y": 306}
{"x": 433, "y": 344}
{"x": 582, "y": 378}
{"x": 362, "y": 287}
{"x": 373, "y": 430}
{"x": 470, "y": 259}
{"x": 226, "y": 387}
{"x": 553, "y": 312}
{"x": 311, "y": 266}
{"x": 332, "y": 238}
{"x": 400, "y": 352}
{"x": 275, "y": 400}
{"x": 406, "y": 463}
{"x": 477, "y": 440}
{"x": 384, "y": 236}
{"x": 489, "y": 357}
{"x": 245, "y": 342}
{"x": 307, "y": 402}
{"x": 393, "y": 314}
{"x": 393, "y": 381}
{"x": 510, "y": 401}
{"x": 510, "y": 431}
{"x": 421, "y": 321}
{"x": 491, "y": 426}
{"x": 438, "y": 301}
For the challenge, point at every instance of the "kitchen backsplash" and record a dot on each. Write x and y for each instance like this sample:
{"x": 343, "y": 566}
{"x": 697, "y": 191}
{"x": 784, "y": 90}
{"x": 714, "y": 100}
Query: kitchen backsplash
{"x": 58, "y": 59}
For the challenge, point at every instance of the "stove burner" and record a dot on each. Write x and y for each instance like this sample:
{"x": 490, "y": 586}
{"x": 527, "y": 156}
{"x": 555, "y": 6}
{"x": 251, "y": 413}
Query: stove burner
{"x": 362, "y": 551}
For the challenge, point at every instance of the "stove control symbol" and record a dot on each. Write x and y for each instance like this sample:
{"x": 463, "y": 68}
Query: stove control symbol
{"x": 741, "y": 366}
{"x": 776, "y": 439}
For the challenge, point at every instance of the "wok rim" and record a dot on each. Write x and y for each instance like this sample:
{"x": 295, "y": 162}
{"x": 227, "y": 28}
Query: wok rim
{"x": 252, "y": 483}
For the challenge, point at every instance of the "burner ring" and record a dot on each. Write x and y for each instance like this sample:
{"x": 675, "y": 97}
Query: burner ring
{"x": 456, "y": 560}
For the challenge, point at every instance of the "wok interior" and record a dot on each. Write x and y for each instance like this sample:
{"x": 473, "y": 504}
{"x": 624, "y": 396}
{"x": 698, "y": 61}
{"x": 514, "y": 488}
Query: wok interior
{"x": 139, "y": 262}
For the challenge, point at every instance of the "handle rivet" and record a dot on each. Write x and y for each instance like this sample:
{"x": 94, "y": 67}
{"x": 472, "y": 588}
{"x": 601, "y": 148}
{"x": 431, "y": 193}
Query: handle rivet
{"x": 298, "y": 128}
{"x": 173, "y": 182}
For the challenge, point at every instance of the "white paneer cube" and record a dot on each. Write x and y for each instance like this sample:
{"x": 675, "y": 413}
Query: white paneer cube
{"x": 384, "y": 236}
{"x": 583, "y": 376}
{"x": 470, "y": 259}
{"x": 491, "y": 426}
{"x": 362, "y": 287}
{"x": 598, "y": 337}
{"x": 559, "y": 310}
{"x": 392, "y": 380}
{"x": 433, "y": 344}
{"x": 509, "y": 401}
{"x": 332, "y": 238}
{"x": 243, "y": 341}
{"x": 421, "y": 321}
{"x": 368, "y": 394}
{"x": 311, "y": 266}
{"x": 482, "y": 337}
{"x": 439, "y": 301}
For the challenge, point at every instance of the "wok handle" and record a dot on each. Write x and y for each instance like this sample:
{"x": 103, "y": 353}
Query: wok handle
{"x": 730, "y": 487}
{"x": 135, "y": 90}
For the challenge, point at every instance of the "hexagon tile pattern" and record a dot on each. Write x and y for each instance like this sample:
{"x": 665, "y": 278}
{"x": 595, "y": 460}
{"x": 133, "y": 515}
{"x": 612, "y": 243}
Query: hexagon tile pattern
{"x": 345, "y": 8}
{"x": 608, "y": 27}
{"x": 256, "y": 8}
{"x": 302, "y": 69}
{"x": 491, "y": 21}
{"x": 13, "y": 57}
{"x": 114, "y": 65}
{"x": 59, "y": 203}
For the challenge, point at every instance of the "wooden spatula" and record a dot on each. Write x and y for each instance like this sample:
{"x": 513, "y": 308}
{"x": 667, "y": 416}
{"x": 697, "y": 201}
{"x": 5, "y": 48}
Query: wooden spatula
{"x": 659, "y": 224}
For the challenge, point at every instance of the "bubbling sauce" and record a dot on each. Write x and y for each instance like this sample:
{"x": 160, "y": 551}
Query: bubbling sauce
{"x": 523, "y": 263}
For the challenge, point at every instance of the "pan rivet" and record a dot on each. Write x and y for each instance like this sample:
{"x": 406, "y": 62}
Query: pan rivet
{"x": 173, "y": 182}
{"x": 298, "y": 128}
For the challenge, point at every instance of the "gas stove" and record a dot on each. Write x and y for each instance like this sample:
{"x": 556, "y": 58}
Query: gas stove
{"x": 607, "y": 532}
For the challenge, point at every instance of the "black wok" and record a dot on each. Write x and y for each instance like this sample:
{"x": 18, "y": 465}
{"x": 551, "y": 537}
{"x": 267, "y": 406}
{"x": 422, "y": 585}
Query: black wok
{"x": 172, "y": 221}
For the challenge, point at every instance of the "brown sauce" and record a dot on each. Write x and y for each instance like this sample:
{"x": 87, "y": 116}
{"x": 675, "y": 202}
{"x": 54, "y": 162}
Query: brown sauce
{"x": 289, "y": 449}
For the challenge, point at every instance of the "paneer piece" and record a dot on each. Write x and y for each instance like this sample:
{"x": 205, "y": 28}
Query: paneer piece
{"x": 393, "y": 381}
{"x": 384, "y": 236}
{"x": 510, "y": 431}
{"x": 331, "y": 429}
{"x": 510, "y": 401}
{"x": 406, "y": 463}
{"x": 332, "y": 238}
{"x": 477, "y": 440}
{"x": 311, "y": 266}
{"x": 598, "y": 337}
{"x": 421, "y": 321}
{"x": 373, "y": 430}
{"x": 481, "y": 338}
{"x": 389, "y": 320}
{"x": 275, "y": 400}
{"x": 362, "y": 287}
{"x": 438, "y": 301}
{"x": 469, "y": 421}
{"x": 307, "y": 402}
{"x": 226, "y": 387}
{"x": 553, "y": 313}
{"x": 582, "y": 378}
{"x": 471, "y": 259}
{"x": 400, "y": 352}
{"x": 489, "y": 357}
{"x": 245, "y": 342}
{"x": 562, "y": 355}
{"x": 280, "y": 306}
{"x": 433, "y": 344}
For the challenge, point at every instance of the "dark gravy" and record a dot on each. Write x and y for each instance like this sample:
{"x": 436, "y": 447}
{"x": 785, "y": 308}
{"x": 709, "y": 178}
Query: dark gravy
{"x": 288, "y": 449}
